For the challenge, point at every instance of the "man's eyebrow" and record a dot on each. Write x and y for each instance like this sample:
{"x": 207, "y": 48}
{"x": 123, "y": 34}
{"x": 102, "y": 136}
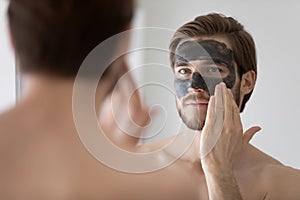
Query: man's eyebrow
{"x": 218, "y": 62}
{"x": 178, "y": 66}
{"x": 179, "y": 62}
{"x": 208, "y": 62}
{"x": 180, "y": 58}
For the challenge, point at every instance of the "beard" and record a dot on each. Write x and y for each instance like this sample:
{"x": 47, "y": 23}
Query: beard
{"x": 192, "y": 122}
{"x": 194, "y": 118}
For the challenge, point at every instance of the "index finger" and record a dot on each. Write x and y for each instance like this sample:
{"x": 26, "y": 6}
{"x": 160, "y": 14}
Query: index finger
{"x": 234, "y": 112}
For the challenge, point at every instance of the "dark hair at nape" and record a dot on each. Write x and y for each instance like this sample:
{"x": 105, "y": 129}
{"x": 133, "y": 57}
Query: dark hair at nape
{"x": 54, "y": 36}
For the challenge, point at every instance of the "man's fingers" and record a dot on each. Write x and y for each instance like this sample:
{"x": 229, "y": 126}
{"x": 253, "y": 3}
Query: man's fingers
{"x": 219, "y": 100}
{"x": 229, "y": 115}
{"x": 208, "y": 139}
{"x": 210, "y": 110}
{"x": 232, "y": 122}
{"x": 247, "y": 136}
{"x": 237, "y": 122}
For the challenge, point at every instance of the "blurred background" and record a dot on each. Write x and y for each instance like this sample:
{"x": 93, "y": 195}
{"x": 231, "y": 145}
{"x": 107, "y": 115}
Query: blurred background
{"x": 274, "y": 104}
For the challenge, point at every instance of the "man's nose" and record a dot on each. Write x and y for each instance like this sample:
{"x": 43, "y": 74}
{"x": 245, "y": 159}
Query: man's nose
{"x": 198, "y": 83}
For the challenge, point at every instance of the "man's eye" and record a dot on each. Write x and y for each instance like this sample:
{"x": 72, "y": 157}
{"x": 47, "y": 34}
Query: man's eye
{"x": 213, "y": 69}
{"x": 184, "y": 71}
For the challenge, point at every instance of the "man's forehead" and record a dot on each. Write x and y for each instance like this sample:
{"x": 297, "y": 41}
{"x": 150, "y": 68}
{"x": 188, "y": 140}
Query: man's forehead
{"x": 197, "y": 63}
{"x": 204, "y": 50}
{"x": 217, "y": 38}
{"x": 206, "y": 63}
{"x": 197, "y": 42}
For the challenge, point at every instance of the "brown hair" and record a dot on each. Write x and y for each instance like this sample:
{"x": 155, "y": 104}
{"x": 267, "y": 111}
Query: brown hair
{"x": 54, "y": 36}
{"x": 243, "y": 46}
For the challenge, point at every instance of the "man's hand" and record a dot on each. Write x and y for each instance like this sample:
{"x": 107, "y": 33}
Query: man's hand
{"x": 124, "y": 116}
{"x": 222, "y": 137}
{"x": 221, "y": 142}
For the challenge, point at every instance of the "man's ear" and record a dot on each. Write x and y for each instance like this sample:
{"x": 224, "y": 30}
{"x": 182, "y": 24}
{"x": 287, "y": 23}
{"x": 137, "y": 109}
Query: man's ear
{"x": 248, "y": 82}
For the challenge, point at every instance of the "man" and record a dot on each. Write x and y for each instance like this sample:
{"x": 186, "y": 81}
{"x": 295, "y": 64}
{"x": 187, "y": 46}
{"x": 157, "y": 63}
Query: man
{"x": 41, "y": 154}
{"x": 214, "y": 62}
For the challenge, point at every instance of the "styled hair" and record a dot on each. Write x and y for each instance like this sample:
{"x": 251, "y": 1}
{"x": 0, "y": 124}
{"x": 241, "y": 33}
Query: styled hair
{"x": 54, "y": 36}
{"x": 242, "y": 43}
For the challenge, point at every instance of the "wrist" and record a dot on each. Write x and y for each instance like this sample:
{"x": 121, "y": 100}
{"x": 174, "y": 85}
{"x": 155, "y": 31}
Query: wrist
{"x": 214, "y": 168}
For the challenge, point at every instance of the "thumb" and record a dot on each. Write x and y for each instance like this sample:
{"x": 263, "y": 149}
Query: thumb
{"x": 247, "y": 136}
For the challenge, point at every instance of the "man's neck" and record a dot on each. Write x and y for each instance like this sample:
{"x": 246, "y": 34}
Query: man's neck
{"x": 50, "y": 97}
{"x": 193, "y": 152}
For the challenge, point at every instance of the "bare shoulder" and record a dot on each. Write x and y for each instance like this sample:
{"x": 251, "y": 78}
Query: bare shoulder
{"x": 274, "y": 179}
{"x": 8, "y": 139}
{"x": 8, "y": 126}
{"x": 11, "y": 136}
{"x": 153, "y": 146}
{"x": 277, "y": 180}
{"x": 13, "y": 131}
{"x": 281, "y": 182}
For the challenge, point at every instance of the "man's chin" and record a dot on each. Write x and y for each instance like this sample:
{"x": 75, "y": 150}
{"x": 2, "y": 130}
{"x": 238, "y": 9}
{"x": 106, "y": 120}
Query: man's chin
{"x": 194, "y": 125}
{"x": 193, "y": 119}
{"x": 195, "y": 128}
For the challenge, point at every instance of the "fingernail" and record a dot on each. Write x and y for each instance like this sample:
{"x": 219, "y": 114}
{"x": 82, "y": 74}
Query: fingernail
{"x": 222, "y": 84}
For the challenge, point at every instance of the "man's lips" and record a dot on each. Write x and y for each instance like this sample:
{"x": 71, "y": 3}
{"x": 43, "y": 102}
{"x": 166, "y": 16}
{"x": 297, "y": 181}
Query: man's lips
{"x": 197, "y": 104}
{"x": 195, "y": 100}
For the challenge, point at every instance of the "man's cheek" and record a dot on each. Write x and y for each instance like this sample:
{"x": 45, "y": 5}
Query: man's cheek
{"x": 207, "y": 84}
{"x": 211, "y": 84}
{"x": 229, "y": 83}
{"x": 181, "y": 87}
{"x": 230, "y": 79}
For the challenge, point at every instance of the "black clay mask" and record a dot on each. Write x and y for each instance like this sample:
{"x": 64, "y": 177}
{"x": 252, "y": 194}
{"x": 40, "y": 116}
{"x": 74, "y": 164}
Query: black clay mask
{"x": 209, "y": 51}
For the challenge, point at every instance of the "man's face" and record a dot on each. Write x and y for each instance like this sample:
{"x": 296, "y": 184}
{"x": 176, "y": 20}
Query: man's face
{"x": 199, "y": 66}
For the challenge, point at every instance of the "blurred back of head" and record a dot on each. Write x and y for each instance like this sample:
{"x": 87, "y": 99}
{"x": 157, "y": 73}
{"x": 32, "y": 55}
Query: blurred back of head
{"x": 54, "y": 36}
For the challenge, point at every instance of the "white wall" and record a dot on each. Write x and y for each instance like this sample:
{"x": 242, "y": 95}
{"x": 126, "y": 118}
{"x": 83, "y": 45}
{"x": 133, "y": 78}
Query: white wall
{"x": 7, "y": 63}
{"x": 275, "y": 102}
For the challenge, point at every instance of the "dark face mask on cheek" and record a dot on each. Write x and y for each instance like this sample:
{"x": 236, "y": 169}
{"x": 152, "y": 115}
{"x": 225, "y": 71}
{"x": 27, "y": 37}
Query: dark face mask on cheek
{"x": 204, "y": 50}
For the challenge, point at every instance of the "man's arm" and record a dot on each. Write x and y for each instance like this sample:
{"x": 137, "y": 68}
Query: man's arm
{"x": 221, "y": 184}
{"x": 221, "y": 142}
{"x": 123, "y": 115}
